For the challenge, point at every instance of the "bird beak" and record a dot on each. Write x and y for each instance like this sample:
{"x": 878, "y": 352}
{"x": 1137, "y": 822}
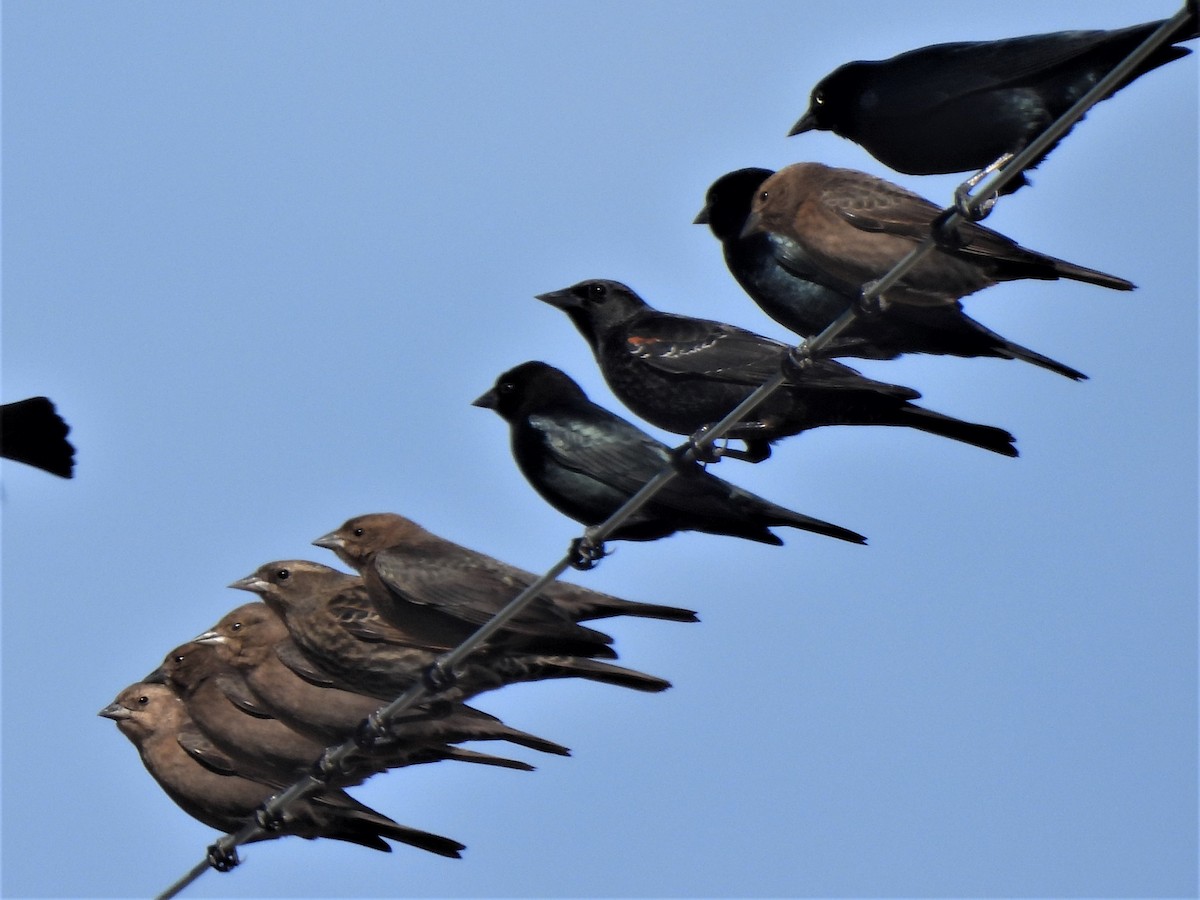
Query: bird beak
{"x": 701, "y": 217}
{"x": 116, "y": 712}
{"x": 488, "y": 400}
{"x": 251, "y": 583}
{"x": 158, "y": 676}
{"x": 210, "y": 637}
{"x": 563, "y": 299}
{"x": 807, "y": 122}
{"x": 329, "y": 541}
{"x": 753, "y": 225}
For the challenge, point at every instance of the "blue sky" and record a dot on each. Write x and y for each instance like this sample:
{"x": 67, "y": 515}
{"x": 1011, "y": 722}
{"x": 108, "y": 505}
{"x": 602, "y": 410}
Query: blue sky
{"x": 263, "y": 256}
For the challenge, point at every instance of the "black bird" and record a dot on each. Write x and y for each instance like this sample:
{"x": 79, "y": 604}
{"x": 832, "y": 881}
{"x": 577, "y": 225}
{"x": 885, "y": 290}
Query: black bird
{"x": 32, "y": 432}
{"x": 682, "y": 374}
{"x": 959, "y": 107}
{"x": 855, "y": 227}
{"x": 586, "y": 462}
{"x": 765, "y": 265}
{"x": 208, "y": 785}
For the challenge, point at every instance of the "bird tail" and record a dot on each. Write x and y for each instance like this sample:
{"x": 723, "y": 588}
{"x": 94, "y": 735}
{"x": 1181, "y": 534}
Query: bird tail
{"x": 606, "y": 673}
{"x": 459, "y": 754}
{"x": 532, "y": 741}
{"x": 1064, "y": 269}
{"x": 349, "y": 820}
{"x": 1016, "y": 351}
{"x": 818, "y": 526}
{"x": 987, "y": 437}
{"x": 617, "y": 607}
{"x": 33, "y": 433}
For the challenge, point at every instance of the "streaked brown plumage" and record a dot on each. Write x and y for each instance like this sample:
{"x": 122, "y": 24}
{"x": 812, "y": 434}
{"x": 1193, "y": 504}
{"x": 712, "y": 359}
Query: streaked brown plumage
{"x": 855, "y": 227}
{"x": 215, "y": 792}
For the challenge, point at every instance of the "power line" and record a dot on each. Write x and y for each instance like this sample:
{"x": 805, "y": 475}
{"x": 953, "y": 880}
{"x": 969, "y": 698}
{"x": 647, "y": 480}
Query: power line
{"x": 974, "y": 200}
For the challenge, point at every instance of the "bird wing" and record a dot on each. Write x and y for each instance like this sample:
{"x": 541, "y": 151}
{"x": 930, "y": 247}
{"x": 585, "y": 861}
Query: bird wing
{"x": 679, "y": 345}
{"x": 293, "y": 657}
{"x": 465, "y": 585}
{"x": 196, "y": 745}
{"x": 238, "y": 693}
{"x": 600, "y": 446}
{"x": 365, "y": 624}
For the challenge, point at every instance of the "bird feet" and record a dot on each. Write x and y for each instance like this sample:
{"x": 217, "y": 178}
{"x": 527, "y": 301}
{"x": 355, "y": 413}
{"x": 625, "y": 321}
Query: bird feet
{"x": 976, "y": 210}
{"x": 439, "y": 679}
{"x": 222, "y": 859}
{"x": 585, "y": 554}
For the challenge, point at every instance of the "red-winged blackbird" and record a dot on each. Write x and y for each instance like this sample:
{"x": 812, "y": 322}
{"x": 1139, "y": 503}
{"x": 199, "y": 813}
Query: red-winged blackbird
{"x": 210, "y": 787}
{"x": 683, "y": 374}
{"x": 586, "y": 462}
{"x": 855, "y": 227}
{"x": 796, "y": 300}
{"x": 958, "y": 107}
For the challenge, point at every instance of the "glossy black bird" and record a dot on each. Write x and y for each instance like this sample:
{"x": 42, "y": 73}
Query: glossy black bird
{"x": 330, "y": 617}
{"x": 855, "y": 227}
{"x": 208, "y": 785}
{"x": 32, "y": 432}
{"x": 795, "y": 299}
{"x": 682, "y": 374}
{"x": 958, "y": 107}
{"x": 255, "y": 642}
{"x": 586, "y": 462}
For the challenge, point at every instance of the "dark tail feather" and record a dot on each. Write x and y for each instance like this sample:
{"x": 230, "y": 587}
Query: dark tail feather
{"x": 458, "y": 754}
{"x": 817, "y": 526}
{"x": 532, "y": 741}
{"x": 640, "y": 610}
{"x": 986, "y": 437}
{"x": 33, "y": 433}
{"x": 1016, "y": 351}
{"x": 593, "y": 670}
{"x": 1091, "y": 276}
{"x": 367, "y": 829}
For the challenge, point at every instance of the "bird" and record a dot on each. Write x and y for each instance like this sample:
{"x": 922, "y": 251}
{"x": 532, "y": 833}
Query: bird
{"x": 683, "y": 374}
{"x": 330, "y": 617}
{"x": 414, "y": 576}
{"x": 799, "y": 302}
{"x": 234, "y": 719}
{"x": 32, "y": 432}
{"x": 255, "y": 642}
{"x": 210, "y": 787}
{"x": 960, "y": 107}
{"x": 586, "y": 462}
{"x": 856, "y": 227}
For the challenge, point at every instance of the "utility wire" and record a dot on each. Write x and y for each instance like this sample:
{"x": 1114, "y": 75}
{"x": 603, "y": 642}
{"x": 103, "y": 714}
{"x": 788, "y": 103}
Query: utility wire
{"x": 222, "y": 855}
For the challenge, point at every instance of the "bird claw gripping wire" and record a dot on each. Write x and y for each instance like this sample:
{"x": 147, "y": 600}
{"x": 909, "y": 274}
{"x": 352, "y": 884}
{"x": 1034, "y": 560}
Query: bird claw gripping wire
{"x": 683, "y": 456}
{"x": 585, "y": 554}
{"x": 439, "y": 679}
{"x": 221, "y": 859}
{"x": 965, "y": 204}
{"x": 267, "y": 819}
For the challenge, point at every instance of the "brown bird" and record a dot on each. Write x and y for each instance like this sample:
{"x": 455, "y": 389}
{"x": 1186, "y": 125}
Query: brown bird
{"x": 234, "y": 719}
{"x": 415, "y": 577}
{"x": 330, "y": 617}
{"x": 855, "y": 227}
{"x": 255, "y": 641}
{"x": 212, "y": 789}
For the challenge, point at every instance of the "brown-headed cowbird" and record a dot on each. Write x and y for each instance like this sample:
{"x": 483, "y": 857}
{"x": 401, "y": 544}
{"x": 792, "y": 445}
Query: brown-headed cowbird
{"x": 330, "y": 617}
{"x": 958, "y": 107}
{"x": 32, "y": 432}
{"x": 856, "y": 227}
{"x": 216, "y": 792}
{"x": 765, "y": 265}
{"x": 413, "y": 577}
{"x": 682, "y": 374}
{"x": 253, "y": 637}
{"x": 586, "y": 462}
{"x": 231, "y": 716}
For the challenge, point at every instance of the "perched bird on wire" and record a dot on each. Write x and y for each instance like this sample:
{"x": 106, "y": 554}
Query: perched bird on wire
{"x": 32, "y": 432}
{"x": 683, "y": 374}
{"x": 210, "y": 787}
{"x": 330, "y": 617}
{"x": 256, "y": 642}
{"x": 586, "y": 462}
{"x": 960, "y": 107}
{"x": 797, "y": 301}
{"x": 855, "y": 227}
{"x": 414, "y": 576}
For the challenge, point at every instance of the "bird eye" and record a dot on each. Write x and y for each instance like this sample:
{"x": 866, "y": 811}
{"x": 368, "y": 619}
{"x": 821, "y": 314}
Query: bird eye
{"x": 597, "y": 291}
{"x": 282, "y": 574}
{"x": 359, "y": 532}
{"x": 143, "y": 700}
{"x": 818, "y": 98}
{"x": 506, "y": 387}
{"x": 236, "y": 626}
{"x": 762, "y": 196}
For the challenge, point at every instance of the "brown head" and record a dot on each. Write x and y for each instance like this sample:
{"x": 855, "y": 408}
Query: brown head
{"x": 145, "y": 709}
{"x": 246, "y": 634}
{"x": 779, "y": 198}
{"x": 291, "y": 583}
{"x": 360, "y": 538}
